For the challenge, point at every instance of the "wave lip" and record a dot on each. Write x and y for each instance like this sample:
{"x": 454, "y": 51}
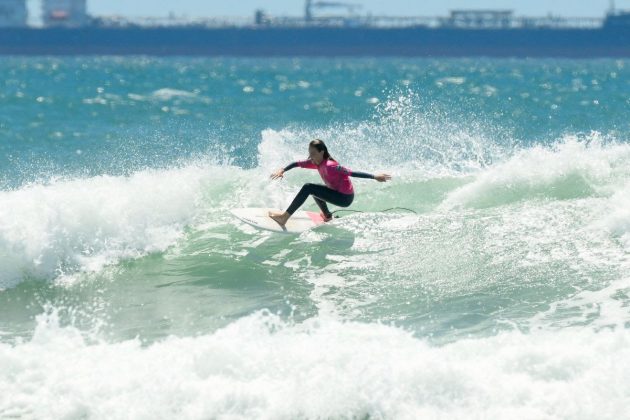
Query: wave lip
{"x": 47, "y": 230}
{"x": 569, "y": 169}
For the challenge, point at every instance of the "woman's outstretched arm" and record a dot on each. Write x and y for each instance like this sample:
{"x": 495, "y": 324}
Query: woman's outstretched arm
{"x": 357, "y": 174}
{"x": 378, "y": 177}
{"x": 302, "y": 164}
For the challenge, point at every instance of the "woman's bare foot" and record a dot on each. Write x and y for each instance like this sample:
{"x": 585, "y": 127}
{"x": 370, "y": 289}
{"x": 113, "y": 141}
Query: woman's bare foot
{"x": 280, "y": 218}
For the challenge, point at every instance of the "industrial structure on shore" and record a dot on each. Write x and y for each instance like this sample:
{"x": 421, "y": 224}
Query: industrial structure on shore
{"x": 68, "y": 29}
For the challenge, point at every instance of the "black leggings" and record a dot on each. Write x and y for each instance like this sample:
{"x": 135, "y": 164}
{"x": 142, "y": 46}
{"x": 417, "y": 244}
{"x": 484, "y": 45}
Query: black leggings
{"x": 321, "y": 194}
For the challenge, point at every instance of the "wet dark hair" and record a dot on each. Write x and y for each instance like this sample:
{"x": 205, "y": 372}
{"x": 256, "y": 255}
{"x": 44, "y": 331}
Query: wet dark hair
{"x": 321, "y": 147}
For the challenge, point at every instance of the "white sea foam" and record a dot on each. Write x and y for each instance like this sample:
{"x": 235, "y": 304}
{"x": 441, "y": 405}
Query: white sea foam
{"x": 601, "y": 308}
{"x": 617, "y": 219}
{"x": 166, "y": 94}
{"x": 169, "y": 94}
{"x": 262, "y": 367}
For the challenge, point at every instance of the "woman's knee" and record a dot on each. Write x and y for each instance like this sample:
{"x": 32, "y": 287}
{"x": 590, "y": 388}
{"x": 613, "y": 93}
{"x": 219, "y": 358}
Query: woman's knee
{"x": 347, "y": 202}
{"x": 308, "y": 187}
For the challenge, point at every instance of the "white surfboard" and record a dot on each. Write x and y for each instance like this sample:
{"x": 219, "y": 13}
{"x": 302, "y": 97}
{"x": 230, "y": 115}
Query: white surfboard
{"x": 258, "y": 217}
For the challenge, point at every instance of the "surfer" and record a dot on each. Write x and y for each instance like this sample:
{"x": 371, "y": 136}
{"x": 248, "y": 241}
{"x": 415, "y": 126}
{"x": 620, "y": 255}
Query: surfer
{"x": 338, "y": 189}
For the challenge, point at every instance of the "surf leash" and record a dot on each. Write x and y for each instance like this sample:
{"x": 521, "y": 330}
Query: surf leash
{"x": 378, "y": 211}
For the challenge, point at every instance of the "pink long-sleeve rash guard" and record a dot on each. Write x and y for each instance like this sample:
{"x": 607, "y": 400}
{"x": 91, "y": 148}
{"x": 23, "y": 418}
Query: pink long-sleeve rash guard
{"x": 334, "y": 175}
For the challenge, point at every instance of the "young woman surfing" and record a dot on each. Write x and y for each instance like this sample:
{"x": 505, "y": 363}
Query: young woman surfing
{"x": 338, "y": 189}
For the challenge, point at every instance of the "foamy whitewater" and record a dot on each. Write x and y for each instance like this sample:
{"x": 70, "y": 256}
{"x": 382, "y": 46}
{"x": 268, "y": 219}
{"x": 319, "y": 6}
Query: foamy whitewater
{"x": 489, "y": 279}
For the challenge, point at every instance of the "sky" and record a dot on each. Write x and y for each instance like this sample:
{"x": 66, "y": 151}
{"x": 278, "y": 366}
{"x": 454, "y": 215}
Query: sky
{"x": 246, "y": 8}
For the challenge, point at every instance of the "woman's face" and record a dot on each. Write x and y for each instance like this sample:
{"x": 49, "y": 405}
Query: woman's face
{"x": 315, "y": 155}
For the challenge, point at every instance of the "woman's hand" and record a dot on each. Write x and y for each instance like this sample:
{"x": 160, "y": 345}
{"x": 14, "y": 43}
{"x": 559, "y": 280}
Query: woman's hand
{"x": 382, "y": 177}
{"x": 278, "y": 174}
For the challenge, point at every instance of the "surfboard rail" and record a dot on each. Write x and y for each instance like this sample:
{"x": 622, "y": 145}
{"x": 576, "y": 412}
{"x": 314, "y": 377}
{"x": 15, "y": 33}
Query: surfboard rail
{"x": 258, "y": 217}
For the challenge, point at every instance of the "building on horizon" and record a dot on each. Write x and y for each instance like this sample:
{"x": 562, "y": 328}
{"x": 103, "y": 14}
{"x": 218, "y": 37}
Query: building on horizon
{"x": 68, "y": 13}
{"x": 13, "y": 13}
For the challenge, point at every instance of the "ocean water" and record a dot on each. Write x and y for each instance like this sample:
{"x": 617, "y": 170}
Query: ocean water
{"x": 497, "y": 287}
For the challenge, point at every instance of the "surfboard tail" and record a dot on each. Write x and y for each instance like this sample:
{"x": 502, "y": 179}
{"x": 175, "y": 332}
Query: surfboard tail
{"x": 317, "y": 218}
